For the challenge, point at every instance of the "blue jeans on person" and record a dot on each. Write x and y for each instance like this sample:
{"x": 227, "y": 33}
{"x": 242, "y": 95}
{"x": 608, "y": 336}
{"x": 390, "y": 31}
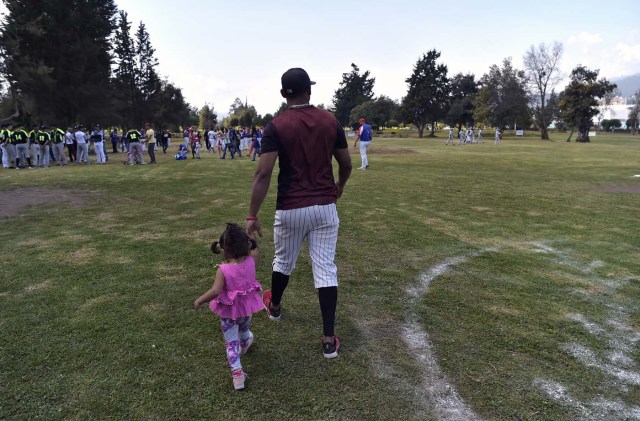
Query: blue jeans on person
{"x": 256, "y": 150}
{"x": 229, "y": 146}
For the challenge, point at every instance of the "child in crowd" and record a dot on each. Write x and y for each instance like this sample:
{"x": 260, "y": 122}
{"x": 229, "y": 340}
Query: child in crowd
{"x": 234, "y": 295}
{"x": 198, "y": 147}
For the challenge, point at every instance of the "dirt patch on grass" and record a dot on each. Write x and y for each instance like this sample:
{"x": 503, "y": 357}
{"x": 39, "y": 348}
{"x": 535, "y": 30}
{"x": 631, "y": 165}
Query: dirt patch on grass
{"x": 13, "y": 201}
{"x": 383, "y": 151}
{"x": 623, "y": 188}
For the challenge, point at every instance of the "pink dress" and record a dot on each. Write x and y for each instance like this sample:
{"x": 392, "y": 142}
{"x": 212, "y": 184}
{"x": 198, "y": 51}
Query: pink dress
{"x": 241, "y": 294}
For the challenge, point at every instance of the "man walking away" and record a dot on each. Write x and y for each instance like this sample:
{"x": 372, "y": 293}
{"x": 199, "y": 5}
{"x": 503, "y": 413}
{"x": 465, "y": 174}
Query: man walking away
{"x": 364, "y": 136}
{"x": 304, "y": 140}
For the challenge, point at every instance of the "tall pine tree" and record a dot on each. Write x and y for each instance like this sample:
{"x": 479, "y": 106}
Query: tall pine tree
{"x": 355, "y": 89}
{"x": 148, "y": 81}
{"x": 127, "y": 97}
{"x": 57, "y": 57}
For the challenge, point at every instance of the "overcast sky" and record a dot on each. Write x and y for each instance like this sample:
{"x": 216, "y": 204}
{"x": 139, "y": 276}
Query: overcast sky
{"x": 219, "y": 50}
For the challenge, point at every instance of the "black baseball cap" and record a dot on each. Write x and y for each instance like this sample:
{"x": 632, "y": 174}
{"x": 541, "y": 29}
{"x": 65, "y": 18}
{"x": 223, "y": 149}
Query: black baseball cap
{"x": 295, "y": 81}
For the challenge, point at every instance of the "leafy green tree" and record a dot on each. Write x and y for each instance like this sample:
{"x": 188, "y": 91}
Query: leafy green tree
{"x": 427, "y": 98}
{"x": 57, "y": 57}
{"x": 172, "y": 109}
{"x": 542, "y": 69}
{"x": 283, "y": 107}
{"x": 464, "y": 89}
{"x": 634, "y": 112}
{"x": 246, "y": 119}
{"x": 377, "y": 112}
{"x": 578, "y": 103}
{"x": 354, "y": 89}
{"x": 207, "y": 117}
{"x": 502, "y": 98}
{"x": 608, "y": 125}
{"x": 268, "y": 117}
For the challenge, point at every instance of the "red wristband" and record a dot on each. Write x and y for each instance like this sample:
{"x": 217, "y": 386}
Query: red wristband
{"x": 252, "y": 218}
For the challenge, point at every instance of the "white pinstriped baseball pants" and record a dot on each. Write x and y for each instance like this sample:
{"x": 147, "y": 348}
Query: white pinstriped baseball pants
{"x": 320, "y": 225}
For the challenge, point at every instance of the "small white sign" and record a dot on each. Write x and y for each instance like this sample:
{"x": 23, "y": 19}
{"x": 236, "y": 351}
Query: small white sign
{"x": 519, "y": 132}
{"x": 591, "y": 134}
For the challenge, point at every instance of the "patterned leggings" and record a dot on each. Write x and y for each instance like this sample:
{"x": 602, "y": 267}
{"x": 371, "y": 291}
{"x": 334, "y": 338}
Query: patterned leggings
{"x": 236, "y": 333}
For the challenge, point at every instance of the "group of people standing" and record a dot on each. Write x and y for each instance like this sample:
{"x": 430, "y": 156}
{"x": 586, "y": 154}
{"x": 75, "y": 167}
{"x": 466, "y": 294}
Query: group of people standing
{"x": 465, "y": 136}
{"x": 232, "y": 140}
{"x": 22, "y": 148}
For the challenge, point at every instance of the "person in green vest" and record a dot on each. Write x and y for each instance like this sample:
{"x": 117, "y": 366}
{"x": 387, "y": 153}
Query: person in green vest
{"x": 9, "y": 149}
{"x": 20, "y": 139}
{"x": 57, "y": 143}
{"x": 43, "y": 139}
{"x": 133, "y": 137}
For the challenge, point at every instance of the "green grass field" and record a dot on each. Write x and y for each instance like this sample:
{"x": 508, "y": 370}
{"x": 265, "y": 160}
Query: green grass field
{"x": 476, "y": 281}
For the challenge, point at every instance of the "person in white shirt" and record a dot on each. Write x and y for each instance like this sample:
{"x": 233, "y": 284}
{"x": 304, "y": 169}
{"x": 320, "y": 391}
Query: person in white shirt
{"x": 70, "y": 142}
{"x": 211, "y": 140}
{"x": 450, "y": 138}
{"x": 83, "y": 146}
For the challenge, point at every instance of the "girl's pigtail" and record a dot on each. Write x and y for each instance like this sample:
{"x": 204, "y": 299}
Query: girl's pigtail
{"x": 215, "y": 248}
{"x": 254, "y": 244}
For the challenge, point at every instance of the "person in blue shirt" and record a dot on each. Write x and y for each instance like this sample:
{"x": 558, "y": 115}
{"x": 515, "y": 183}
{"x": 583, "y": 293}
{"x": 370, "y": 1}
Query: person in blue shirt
{"x": 364, "y": 136}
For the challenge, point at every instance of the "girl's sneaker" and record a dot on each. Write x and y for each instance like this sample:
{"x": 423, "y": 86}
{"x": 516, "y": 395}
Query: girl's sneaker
{"x": 239, "y": 379}
{"x": 245, "y": 347}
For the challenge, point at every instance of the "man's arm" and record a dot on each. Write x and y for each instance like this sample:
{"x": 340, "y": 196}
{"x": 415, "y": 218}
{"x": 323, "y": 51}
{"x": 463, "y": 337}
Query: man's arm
{"x": 260, "y": 187}
{"x": 344, "y": 168}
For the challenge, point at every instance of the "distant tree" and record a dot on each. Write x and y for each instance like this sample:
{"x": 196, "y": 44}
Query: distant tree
{"x": 268, "y": 117}
{"x": 634, "y": 111}
{"x": 236, "y": 107}
{"x": 172, "y": 110}
{"x": 377, "y": 112}
{"x": 464, "y": 89}
{"x": 502, "y": 98}
{"x": 246, "y": 119}
{"x": 207, "y": 117}
{"x": 148, "y": 81}
{"x": 578, "y": 103}
{"x": 608, "y": 125}
{"x": 427, "y": 97}
{"x": 354, "y": 89}
{"x": 283, "y": 107}
{"x": 125, "y": 88}
{"x": 553, "y": 110}
{"x": 58, "y": 69}
{"x": 541, "y": 66}
{"x": 234, "y": 122}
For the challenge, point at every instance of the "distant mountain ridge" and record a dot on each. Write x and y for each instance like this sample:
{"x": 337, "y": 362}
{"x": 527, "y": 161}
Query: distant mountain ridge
{"x": 628, "y": 85}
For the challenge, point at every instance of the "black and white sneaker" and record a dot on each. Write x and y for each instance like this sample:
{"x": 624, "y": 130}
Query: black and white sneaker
{"x": 330, "y": 350}
{"x": 272, "y": 313}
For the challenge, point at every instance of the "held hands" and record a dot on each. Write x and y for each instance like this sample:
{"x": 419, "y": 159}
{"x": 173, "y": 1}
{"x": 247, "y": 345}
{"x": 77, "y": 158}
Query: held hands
{"x": 253, "y": 227}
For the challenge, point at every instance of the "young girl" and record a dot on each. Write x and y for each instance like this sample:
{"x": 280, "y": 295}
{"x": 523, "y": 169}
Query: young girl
{"x": 234, "y": 295}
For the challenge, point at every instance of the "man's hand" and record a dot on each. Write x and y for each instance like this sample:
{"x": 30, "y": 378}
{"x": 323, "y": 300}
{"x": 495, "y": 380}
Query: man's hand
{"x": 253, "y": 227}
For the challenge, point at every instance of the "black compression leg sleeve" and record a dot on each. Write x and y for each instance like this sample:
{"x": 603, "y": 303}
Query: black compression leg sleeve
{"x": 328, "y": 300}
{"x": 279, "y": 282}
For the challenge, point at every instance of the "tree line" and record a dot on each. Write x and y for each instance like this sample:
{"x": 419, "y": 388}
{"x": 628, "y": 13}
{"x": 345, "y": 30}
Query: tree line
{"x": 71, "y": 61}
{"x": 503, "y": 97}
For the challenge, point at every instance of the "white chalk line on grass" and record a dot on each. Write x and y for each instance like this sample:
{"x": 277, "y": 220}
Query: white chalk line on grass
{"x": 447, "y": 402}
{"x": 449, "y": 405}
{"x": 596, "y": 409}
{"x": 621, "y": 338}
